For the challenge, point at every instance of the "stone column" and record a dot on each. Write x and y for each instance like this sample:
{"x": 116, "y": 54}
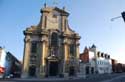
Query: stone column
{"x": 77, "y": 58}
{"x": 39, "y": 48}
{"x": 43, "y": 61}
{"x": 77, "y": 52}
{"x": 66, "y": 52}
{"x": 65, "y": 60}
{"x": 26, "y": 57}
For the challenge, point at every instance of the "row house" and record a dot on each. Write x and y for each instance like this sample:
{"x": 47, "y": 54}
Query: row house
{"x": 114, "y": 65}
{"x": 103, "y": 62}
{"x": 117, "y": 67}
{"x": 95, "y": 62}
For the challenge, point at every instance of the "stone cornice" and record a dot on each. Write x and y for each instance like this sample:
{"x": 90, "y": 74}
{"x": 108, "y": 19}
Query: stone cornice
{"x": 77, "y": 44}
{"x": 49, "y": 9}
{"x": 77, "y": 37}
{"x": 44, "y": 33}
{"x": 27, "y": 32}
{"x": 70, "y": 36}
{"x": 65, "y": 43}
{"x": 43, "y": 41}
{"x": 35, "y": 32}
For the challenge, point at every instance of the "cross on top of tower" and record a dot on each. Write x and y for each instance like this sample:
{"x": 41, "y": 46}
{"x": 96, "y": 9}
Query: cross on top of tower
{"x": 54, "y": 2}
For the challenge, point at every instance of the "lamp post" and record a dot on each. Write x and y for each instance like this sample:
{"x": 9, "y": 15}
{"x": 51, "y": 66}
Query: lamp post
{"x": 123, "y": 15}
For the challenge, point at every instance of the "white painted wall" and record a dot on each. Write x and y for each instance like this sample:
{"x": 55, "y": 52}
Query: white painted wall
{"x": 2, "y": 58}
{"x": 91, "y": 59}
{"x": 104, "y": 65}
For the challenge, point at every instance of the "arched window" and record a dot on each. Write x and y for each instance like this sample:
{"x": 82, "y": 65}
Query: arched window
{"x": 54, "y": 39}
{"x": 34, "y": 47}
{"x": 72, "y": 49}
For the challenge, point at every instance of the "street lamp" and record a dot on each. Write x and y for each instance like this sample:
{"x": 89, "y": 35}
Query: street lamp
{"x": 123, "y": 15}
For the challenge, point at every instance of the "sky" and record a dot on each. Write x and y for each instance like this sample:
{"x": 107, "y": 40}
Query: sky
{"x": 90, "y": 18}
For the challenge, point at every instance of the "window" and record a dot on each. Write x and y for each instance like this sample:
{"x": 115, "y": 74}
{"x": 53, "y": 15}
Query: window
{"x": 33, "y": 58}
{"x": 34, "y": 47}
{"x": 105, "y": 55}
{"x": 98, "y": 54}
{"x": 8, "y": 57}
{"x": 72, "y": 49}
{"x": 97, "y": 62}
{"x": 102, "y": 55}
{"x": 54, "y": 40}
{"x": 108, "y": 56}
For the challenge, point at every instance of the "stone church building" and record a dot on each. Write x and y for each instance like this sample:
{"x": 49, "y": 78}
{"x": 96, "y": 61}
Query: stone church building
{"x": 51, "y": 48}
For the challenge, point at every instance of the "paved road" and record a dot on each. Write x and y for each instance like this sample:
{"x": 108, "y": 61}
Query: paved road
{"x": 93, "y": 78}
{"x": 117, "y": 79}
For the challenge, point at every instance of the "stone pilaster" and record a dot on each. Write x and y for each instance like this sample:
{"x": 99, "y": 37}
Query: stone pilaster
{"x": 66, "y": 52}
{"x": 77, "y": 58}
{"x": 64, "y": 22}
{"x": 77, "y": 51}
{"x": 43, "y": 21}
{"x": 65, "y": 60}
{"x": 39, "y": 48}
{"x": 26, "y": 57}
{"x": 43, "y": 61}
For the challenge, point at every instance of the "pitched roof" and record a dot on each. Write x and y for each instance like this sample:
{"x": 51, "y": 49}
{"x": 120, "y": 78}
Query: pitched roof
{"x": 93, "y": 46}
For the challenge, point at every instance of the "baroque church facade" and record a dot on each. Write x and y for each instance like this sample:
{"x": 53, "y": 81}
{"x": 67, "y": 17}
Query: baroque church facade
{"x": 51, "y": 48}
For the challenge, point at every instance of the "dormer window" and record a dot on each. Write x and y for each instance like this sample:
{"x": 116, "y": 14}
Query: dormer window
{"x": 98, "y": 54}
{"x": 105, "y": 55}
{"x": 108, "y": 56}
{"x": 102, "y": 55}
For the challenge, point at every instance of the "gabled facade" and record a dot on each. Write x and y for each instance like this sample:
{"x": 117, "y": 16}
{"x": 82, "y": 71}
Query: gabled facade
{"x": 88, "y": 61}
{"x": 96, "y": 61}
{"x": 52, "y": 47}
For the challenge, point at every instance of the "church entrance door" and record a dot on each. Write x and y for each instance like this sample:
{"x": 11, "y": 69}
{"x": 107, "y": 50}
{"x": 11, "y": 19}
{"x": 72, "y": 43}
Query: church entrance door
{"x": 32, "y": 71}
{"x": 53, "y": 68}
{"x": 71, "y": 71}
